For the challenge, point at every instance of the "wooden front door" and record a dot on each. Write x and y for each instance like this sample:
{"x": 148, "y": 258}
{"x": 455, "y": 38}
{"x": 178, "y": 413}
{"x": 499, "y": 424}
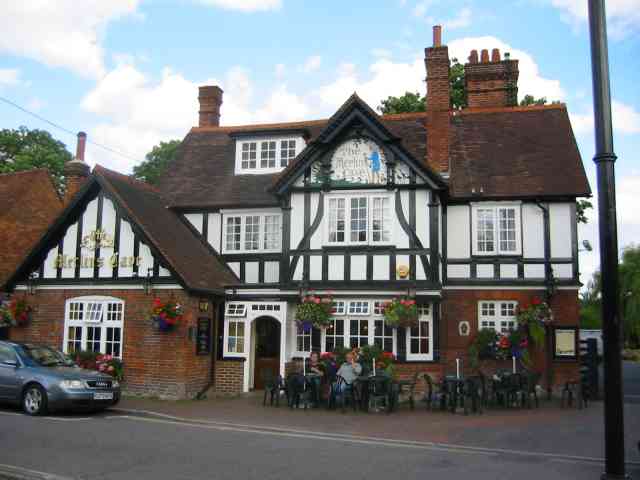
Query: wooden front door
{"x": 267, "y": 357}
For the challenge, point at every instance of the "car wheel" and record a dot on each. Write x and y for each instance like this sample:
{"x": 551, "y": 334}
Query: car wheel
{"x": 34, "y": 400}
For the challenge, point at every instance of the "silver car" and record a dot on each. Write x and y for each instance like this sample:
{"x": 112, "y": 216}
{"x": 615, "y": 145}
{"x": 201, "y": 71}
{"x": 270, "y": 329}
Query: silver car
{"x": 42, "y": 379}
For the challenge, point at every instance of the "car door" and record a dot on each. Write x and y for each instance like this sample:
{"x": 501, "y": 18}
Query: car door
{"x": 9, "y": 381}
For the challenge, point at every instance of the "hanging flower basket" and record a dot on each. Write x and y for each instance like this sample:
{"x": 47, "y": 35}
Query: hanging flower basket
{"x": 314, "y": 311}
{"x": 15, "y": 313}
{"x": 401, "y": 312}
{"x": 166, "y": 316}
{"x": 533, "y": 318}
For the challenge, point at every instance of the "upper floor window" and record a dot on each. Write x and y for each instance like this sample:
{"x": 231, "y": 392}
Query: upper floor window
{"x": 94, "y": 324}
{"x": 359, "y": 219}
{"x": 266, "y": 155}
{"x": 257, "y": 232}
{"x": 496, "y": 229}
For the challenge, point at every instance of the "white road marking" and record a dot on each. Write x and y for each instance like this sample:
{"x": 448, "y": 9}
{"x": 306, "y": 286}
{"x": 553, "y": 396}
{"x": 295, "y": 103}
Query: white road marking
{"x": 12, "y": 413}
{"x": 67, "y": 419}
{"x": 25, "y": 472}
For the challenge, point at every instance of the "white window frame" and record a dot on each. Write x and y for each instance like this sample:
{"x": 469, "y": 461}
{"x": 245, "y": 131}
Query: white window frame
{"x": 501, "y": 319}
{"x": 496, "y": 207}
{"x": 103, "y": 321}
{"x": 262, "y": 235}
{"x": 370, "y": 316}
{"x": 423, "y": 317}
{"x": 236, "y": 310}
{"x": 239, "y": 170}
{"x": 227, "y": 324}
{"x": 370, "y": 196}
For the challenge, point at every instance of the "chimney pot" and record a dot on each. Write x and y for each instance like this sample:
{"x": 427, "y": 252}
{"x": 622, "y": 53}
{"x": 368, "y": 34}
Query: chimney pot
{"x": 81, "y": 145}
{"x": 484, "y": 56}
{"x": 495, "y": 55}
{"x": 437, "y": 35}
{"x": 473, "y": 58}
{"x": 210, "y": 98}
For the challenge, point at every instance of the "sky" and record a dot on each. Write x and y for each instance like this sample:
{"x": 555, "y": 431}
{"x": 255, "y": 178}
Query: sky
{"x": 127, "y": 71}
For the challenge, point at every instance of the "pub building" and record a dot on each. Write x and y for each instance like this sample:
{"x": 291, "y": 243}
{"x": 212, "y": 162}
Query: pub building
{"x": 471, "y": 212}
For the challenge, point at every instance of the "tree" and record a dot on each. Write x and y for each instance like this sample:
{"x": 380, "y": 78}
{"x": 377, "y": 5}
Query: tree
{"x": 581, "y": 210}
{"x": 25, "y": 149}
{"x": 629, "y": 286}
{"x": 156, "y": 162}
{"x": 531, "y": 100}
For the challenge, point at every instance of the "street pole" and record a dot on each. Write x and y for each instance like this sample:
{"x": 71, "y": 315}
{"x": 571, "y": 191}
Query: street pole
{"x": 611, "y": 330}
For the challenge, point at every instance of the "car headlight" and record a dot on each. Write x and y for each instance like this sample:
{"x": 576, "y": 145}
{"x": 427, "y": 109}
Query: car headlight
{"x": 115, "y": 384}
{"x": 70, "y": 384}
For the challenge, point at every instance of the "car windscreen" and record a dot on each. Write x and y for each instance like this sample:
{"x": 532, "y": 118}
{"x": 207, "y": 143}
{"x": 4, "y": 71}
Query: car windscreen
{"x": 45, "y": 356}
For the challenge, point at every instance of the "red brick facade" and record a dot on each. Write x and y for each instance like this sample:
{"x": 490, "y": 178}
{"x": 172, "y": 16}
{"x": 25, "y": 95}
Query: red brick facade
{"x": 229, "y": 376}
{"x": 155, "y": 363}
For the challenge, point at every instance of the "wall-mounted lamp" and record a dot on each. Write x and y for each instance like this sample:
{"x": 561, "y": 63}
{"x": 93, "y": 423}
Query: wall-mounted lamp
{"x": 147, "y": 281}
{"x": 31, "y": 283}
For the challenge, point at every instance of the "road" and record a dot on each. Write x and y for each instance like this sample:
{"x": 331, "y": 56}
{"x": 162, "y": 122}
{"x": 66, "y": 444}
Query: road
{"x": 125, "y": 446}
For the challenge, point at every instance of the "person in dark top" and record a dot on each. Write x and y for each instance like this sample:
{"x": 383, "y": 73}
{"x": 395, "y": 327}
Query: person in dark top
{"x": 315, "y": 374}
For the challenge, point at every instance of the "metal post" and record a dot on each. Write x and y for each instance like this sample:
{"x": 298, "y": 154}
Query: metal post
{"x": 611, "y": 328}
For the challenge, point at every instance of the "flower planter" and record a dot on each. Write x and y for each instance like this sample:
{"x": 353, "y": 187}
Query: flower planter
{"x": 166, "y": 316}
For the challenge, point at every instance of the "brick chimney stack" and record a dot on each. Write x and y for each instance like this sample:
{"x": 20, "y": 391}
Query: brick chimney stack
{"x": 210, "y": 98}
{"x": 438, "y": 103}
{"x": 491, "y": 82}
{"x": 76, "y": 171}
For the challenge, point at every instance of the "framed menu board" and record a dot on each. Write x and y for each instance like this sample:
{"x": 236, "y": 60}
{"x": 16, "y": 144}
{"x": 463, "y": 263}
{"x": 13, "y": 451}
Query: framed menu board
{"x": 203, "y": 336}
{"x": 565, "y": 343}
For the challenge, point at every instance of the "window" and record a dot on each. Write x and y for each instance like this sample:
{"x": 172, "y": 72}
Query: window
{"x": 358, "y": 332}
{"x": 499, "y": 316}
{"x": 358, "y": 307}
{"x": 252, "y": 233}
{"x": 496, "y": 230}
{"x": 236, "y": 310}
{"x": 235, "y": 337}
{"x": 381, "y": 220}
{"x": 94, "y": 324}
{"x": 361, "y": 327}
{"x": 303, "y": 339}
{"x": 287, "y": 152}
{"x": 233, "y": 232}
{"x": 359, "y": 219}
{"x": 249, "y": 155}
{"x": 266, "y": 155}
{"x": 334, "y": 335}
{"x": 420, "y": 337}
{"x": 272, "y": 232}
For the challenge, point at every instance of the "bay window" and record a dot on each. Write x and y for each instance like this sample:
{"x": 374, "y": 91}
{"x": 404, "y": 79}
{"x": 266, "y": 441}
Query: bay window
{"x": 252, "y": 232}
{"x": 359, "y": 219}
{"x": 95, "y": 324}
{"x": 496, "y": 229}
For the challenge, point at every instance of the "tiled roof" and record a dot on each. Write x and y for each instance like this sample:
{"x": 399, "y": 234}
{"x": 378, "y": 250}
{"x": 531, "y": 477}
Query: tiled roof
{"x": 198, "y": 266}
{"x": 503, "y": 152}
{"x": 515, "y": 152}
{"x": 29, "y": 204}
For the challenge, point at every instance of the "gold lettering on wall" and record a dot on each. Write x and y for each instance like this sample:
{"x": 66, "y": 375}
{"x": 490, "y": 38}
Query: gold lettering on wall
{"x": 66, "y": 261}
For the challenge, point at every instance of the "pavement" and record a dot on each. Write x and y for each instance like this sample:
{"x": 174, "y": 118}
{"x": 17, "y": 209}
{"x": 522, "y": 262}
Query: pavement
{"x": 239, "y": 438}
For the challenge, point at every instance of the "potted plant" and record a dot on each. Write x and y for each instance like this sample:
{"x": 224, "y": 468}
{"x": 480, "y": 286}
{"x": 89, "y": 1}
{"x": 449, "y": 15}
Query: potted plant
{"x": 371, "y": 355}
{"x": 400, "y": 312}
{"x": 166, "y": 315}
{"x": 15, "y": 313}
{"x": 314, "y": 311}
{"x": 110, "y": 365}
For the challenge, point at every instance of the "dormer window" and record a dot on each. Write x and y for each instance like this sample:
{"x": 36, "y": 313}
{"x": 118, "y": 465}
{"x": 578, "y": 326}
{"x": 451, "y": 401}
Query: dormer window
{"x": 266, "y": 155}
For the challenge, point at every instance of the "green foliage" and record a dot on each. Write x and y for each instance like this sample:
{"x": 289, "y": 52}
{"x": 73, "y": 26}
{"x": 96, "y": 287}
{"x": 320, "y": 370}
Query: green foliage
{"x": 314, "y": 311}
{"x": 400, "y": 312}
{"x": 407, "y": 103}
{"x": 581, "y": 210}
{"x": 85, "y": 359}
{"x": 25, "y": 149}
{"x": 531, "y": 100}
{"x": 456, "y": 81}
{"x": 156, "y": 162}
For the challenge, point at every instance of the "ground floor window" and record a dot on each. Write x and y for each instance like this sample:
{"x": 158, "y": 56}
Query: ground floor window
{"x": 420, "y": 337}
{"x": 235, "y": 336}
{"x": 497, "y": 315}
{"x": 94, "y": 324}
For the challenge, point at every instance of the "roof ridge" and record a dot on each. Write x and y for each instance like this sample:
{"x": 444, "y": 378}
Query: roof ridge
{"x": 128, "y": 178}
{"x": 527, "y": 108}
{"x": 31, "y": 170}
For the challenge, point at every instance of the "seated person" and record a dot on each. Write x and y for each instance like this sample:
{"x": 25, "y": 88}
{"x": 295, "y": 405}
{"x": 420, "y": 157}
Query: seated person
{"x": 315, "y": 373}
{"x": 349, "y": 371}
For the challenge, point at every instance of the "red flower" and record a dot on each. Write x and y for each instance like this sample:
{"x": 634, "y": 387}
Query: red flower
{"x": 157, "y": 302}
{"x": 504, "y": 342}
{"x": 536, "y": 301}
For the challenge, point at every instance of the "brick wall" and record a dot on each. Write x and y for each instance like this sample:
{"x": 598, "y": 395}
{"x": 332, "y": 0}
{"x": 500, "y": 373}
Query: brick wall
{"x": 155, "y": 363}
{"x": 229, "y": 376}
{"x": 459, "y": 305}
